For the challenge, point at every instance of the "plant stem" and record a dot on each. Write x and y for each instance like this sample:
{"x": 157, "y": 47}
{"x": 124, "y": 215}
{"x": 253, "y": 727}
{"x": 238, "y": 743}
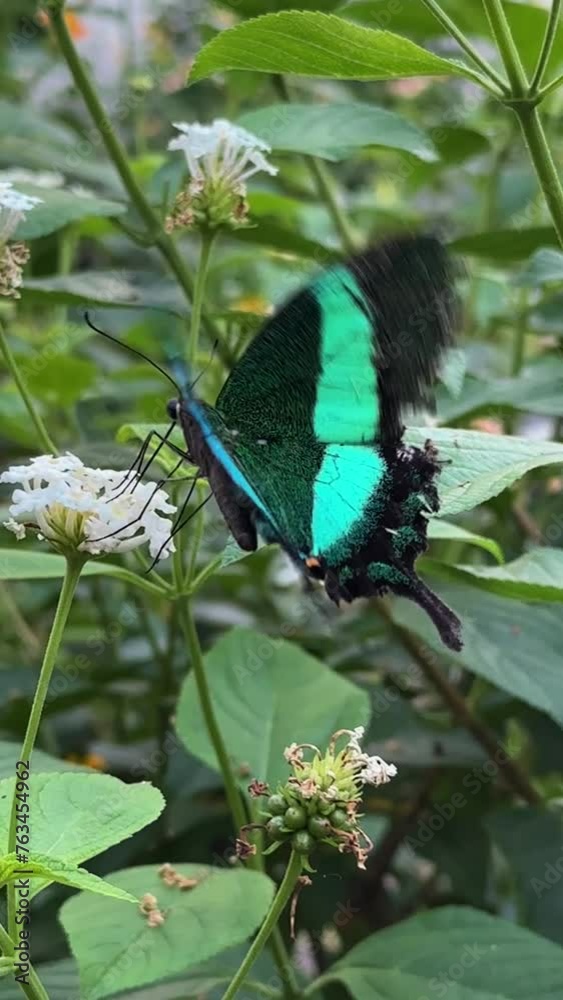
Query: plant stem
{"x": 323, "y": 181}
{"x": 524, "y": 106}
{"x": 207, "y": 238}
{"x": 45, "y": 441}
{"x": 550, "y": 87}
{"x": 279, "y": 903}
{"x": 542, "y": 159}
{"x": 34, "y": 989}
{"x": 520, "y": 327}
{"x": 465, "y": 44}
{"x": 231, "y": 789}
{"x": 71, "y": 577}
{"x": 507, "y": 47}
{"x": 547, "y": 46}
{"x": 117, "y": 153}
{"x": 325, "y": 187}
{"x": 459, "y": 708}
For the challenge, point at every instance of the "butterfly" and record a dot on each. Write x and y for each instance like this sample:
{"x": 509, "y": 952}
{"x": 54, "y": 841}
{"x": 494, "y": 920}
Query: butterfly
{"x": 304, "y": 446}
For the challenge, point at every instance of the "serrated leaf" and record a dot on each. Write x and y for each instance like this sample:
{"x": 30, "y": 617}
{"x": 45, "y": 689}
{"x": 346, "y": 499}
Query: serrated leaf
{"x": 52, "y": 869}
{"x": 223, "y": 909}
{"x": 78, "y": 815}
{"x": 267, "y": 693}
{"x": 332, "y": 130}
{"x": 481, "y": 465}
{"x": 317, "y": 44}
{"x": 498, "y": 961}
{"x": 505, "y": 641}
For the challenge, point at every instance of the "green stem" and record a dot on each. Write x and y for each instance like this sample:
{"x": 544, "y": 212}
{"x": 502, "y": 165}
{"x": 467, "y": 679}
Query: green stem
{"x": 507, "y": 47}
{"x": 547, "y": 46}
{"x": 550, "y": 87}
{"x": 46, "y": 443}
{"x": 196, "y": 658}
{"x": 465, "y": 44}
{"x": 323, "y": 181}
{"x": 117, "y": 152}
{"x": 34, "y": 989}
{"x": 524, "y": 106}
{"x": 207, "y": 238}
{"x": 279, "y": 903}
{"x": 520, "y": 327}
{"x": 542, "y": 159}
{"x": 71, "y": 577}
{"x": 325, "y": 187}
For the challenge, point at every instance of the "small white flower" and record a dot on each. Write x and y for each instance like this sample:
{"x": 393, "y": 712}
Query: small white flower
{"x": 374, "y": 770}
{"x": 221, "y": 152}
{"x": 90, "y": 510}
{"x": 13, "y": 207}
{"x": 377, "y": 772}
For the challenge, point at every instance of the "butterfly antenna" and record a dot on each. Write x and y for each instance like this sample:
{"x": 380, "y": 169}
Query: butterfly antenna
{"x": 133, "y": 350}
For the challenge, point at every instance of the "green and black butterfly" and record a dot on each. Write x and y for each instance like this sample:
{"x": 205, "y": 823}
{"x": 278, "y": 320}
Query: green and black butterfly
{"x": 304, "y": 444}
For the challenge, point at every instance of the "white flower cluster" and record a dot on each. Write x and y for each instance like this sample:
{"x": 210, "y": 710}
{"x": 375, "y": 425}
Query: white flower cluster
{"x": 222, "y": 153}
{"x": 374, "y": 770}
{"x": 93, "y": 511}
{"x": 13, "y": 206}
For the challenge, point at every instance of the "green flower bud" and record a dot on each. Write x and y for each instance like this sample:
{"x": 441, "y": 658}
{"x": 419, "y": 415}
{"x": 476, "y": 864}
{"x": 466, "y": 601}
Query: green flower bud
{"x": 295, "y": 817}
{"x": 302, "y": 842}
{"x": 319, "y": 827}
{"x": 276, "y": 805}
{"x": 276, "y": 828}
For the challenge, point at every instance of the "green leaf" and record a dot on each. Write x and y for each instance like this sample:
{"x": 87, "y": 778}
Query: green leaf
{"x": 481, "y": 465}
{"x": 535, "y": 576}
{"x": 491, "y": 626}
{"x": 316, "y": 44}
{"x": 26, "y": 564}
{"x": 544, "y": 267}
{"x": 115, "y": 289}
{"x": 280, "y": 238}
{"x": 78, "y": 815}
{"x": 453, "y": 951}
{"x": 506, "y": 245}
{"x": 251, "y": 8}
{"x": 62, "y": 380}
{"x": 267, "y": 694}
{"x": 538, "y": 388}
{"x": 332, "y": 130}
{"x": 446, "y": 531}
{"x": 59, "y": 207}
{"x": 531, "y": 841}
{"x": 10, "y": 753}
{"x": 116, "y": 949}
{"x": 52, "y": 869}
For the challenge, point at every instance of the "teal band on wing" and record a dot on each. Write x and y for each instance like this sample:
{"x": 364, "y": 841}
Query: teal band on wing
{"x": 347, "y": 406}
{"x": 344, "y": 485}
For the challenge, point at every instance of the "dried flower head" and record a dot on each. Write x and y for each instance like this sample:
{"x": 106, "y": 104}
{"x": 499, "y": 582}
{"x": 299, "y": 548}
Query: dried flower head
{"x": 220, "y": 158}
{"x": 13, "y": 256}
{"x": 93, "y": 511}
{"x": 320, "y": 800}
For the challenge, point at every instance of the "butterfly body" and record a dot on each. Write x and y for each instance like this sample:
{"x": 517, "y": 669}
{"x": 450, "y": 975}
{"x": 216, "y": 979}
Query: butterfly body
{"x": 304, "y": 444}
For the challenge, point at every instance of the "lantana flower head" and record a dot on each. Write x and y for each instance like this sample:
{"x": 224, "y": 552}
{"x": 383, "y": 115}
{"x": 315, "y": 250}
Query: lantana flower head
{"x": 220, "y": 157}
{"x": 93, "y": 511}
{"x": 319, "y": 802}
{"x": 13, "y": 256}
